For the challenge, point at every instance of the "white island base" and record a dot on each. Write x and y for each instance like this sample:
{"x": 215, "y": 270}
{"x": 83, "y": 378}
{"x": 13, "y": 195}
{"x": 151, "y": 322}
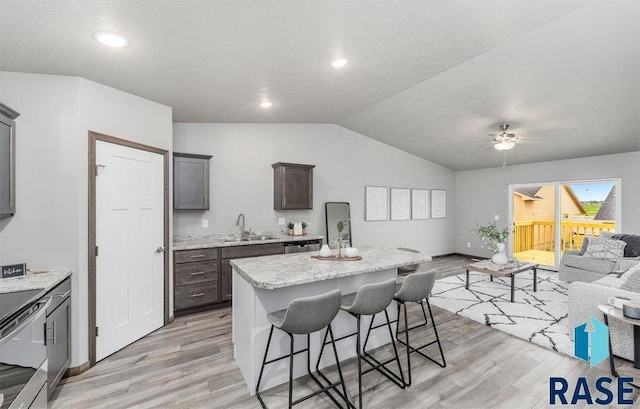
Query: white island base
{"x": 251, "y": 304}
{"x": 251, "y": 328}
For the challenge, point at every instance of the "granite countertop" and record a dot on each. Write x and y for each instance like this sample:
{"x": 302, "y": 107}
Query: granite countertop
{"x": 271, "y": 272}
{"x": 188, "y": 243}
{"x": 33, "y": 281}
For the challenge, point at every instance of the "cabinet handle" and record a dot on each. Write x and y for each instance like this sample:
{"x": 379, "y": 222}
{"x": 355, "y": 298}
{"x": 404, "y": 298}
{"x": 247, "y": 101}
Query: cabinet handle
{"x": 197, "y": 295}
{"x": 199, "y": 273}
{"x": 198, "y": 256}
{"x": 53, "y": 332}
{"x": 62, "y": 295}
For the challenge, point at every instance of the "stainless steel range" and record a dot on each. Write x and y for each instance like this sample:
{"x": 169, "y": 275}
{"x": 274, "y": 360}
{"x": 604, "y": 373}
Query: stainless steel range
{"x": 23, "y": 352}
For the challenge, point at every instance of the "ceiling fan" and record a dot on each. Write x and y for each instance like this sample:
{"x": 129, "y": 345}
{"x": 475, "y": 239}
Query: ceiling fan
{"x": 504, "y": 141}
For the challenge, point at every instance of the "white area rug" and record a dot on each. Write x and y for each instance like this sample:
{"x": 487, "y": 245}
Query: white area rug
{"x": 539, "y": 317}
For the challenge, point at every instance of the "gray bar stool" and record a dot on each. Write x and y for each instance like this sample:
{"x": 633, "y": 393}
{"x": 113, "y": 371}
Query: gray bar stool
{"x": 370, "y": 299}
{"x": 305, "y": 316}
{"x": 417, "y": 288}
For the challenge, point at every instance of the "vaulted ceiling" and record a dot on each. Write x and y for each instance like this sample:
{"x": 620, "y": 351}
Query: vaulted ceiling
{"x": 428, "y": 77}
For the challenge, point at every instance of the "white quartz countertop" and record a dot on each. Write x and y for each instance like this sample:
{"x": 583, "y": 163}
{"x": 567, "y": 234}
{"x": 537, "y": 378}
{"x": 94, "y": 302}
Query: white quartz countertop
{"x": 215, "y": 241}
{"x": 271, "y": 272}
{"x": 33, "y": 281}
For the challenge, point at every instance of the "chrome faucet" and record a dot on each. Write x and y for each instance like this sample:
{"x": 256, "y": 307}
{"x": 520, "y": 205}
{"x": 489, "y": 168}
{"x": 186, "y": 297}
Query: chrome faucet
{"x": 242, "y": 232}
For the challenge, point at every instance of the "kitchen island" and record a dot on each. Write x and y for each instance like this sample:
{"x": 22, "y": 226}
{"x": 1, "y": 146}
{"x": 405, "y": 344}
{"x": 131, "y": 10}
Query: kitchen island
{"x": 265, "y": 284}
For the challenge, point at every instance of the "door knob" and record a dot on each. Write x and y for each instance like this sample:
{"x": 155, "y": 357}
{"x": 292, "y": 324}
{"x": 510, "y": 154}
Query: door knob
{"x": 160, "y": 250}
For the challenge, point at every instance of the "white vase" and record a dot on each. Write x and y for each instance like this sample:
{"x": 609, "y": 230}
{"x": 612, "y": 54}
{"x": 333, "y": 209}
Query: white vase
{"x": 325, "y": 251}
{"x": 500, "y": 257}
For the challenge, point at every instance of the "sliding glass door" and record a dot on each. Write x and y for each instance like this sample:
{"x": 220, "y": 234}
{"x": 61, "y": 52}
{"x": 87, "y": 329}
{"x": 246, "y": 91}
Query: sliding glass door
{"x": 551, "y": 218}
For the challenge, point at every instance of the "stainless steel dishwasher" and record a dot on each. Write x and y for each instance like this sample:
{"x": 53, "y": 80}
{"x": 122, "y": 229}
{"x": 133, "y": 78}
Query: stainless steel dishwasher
{"x": 302, "y": 246}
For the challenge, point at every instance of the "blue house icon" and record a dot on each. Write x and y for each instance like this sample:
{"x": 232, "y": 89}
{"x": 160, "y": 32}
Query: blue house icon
{"x": 599, "y": 342}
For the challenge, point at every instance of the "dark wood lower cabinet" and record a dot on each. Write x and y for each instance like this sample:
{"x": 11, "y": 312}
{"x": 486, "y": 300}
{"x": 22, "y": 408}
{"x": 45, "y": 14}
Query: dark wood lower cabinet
{"x": 203, "y": 278}
{"x": 196, "y": 278}
{"x": 226, "y": 280}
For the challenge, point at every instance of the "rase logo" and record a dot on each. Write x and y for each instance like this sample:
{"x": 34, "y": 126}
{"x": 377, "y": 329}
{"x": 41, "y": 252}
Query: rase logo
{"x": 595, "y": 341}
{"x": 599, "y": 338}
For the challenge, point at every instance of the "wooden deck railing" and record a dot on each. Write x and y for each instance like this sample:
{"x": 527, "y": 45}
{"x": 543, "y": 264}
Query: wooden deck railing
{"x": 540, "y": 235}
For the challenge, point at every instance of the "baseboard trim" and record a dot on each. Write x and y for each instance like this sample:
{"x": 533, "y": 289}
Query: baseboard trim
{"x": 77, "y": 370}
{"x": 460, "y": 255}
{"x": 208, "y": 307}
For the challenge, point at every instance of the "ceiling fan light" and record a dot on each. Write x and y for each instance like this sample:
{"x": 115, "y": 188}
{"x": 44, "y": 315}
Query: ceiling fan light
{"x": 504, "y": 146}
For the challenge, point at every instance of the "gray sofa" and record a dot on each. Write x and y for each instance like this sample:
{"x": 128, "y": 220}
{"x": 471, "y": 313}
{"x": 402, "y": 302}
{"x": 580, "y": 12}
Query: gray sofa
{"x": 584, "y": 299}
{"x": 575, "y": 267}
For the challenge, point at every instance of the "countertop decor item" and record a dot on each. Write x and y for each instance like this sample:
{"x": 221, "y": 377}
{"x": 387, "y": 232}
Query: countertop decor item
{"x": 351, "y": 252}
{"x": 14, "y": 270}
{"x": 325, "y": 251}
{"x": 335, "y": 257}
{"x": 334, "y": 213}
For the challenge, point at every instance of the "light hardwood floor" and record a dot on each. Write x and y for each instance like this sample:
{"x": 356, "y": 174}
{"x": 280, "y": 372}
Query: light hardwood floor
{"x": 189, "y": 364}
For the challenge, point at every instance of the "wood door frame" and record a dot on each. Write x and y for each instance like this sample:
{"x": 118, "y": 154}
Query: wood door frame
{"x": 93, "y": 138}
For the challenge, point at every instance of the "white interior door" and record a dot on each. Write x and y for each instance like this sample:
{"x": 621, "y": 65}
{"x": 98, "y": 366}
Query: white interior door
{"x": 129, "y": 237}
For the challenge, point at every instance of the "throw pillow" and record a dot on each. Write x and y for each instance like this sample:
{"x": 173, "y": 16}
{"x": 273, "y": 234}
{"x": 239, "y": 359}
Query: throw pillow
{"x": 585, "y": 243}
{"x": 633, "y": 244}
{"x": 606, "y": 249}
{"x": 630, "y": 280}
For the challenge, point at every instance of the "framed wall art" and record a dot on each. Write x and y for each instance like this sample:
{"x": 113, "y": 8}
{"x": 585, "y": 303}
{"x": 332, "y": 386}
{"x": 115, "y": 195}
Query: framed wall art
{"x": 438, "y": 204}
{"x": 376, "y": 203}
{"x": 400, "y": 204}
{"x": 419, "y": 204}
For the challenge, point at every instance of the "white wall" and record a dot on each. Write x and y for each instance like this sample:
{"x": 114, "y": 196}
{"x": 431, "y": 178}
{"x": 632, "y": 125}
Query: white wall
{"x": 50, "y": 227}
{"x": 481, "y": 194}
{"x": 241, "y": 180}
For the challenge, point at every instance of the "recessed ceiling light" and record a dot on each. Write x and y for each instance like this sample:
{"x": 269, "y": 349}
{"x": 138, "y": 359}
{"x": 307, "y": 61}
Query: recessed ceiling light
{"x": 339, "y": 62}
{"x": 266, "y": 104}
{"x": 111, "y": 39}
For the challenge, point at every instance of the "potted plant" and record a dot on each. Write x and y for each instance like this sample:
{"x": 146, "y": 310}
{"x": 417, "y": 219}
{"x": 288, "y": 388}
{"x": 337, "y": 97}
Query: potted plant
{"x": 304, "y": 228}
{"x": 494, "y": 239}
{"x": 290, "y": 227}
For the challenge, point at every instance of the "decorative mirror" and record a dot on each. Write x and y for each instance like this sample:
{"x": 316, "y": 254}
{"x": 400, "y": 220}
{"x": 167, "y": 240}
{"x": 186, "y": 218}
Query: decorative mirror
{"x": 337, "y": 212}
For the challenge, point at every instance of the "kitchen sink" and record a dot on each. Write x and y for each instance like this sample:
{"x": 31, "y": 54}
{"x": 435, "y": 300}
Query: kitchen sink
{"x": 253, "y": 237}
{"x": 257, "y": 237}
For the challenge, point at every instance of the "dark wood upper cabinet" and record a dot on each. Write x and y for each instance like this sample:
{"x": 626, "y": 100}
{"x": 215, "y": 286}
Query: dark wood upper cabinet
{"x": 292, "y": 186}
{"x": 190, "y": 181}
{"x": 7, "y": 160}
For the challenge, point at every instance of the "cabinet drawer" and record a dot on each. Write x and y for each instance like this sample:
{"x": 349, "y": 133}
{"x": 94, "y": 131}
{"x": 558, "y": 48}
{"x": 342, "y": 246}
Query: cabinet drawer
{"x": 252, "y": 250}
{"x": 194, "y": 273}
{"x": 187, "y": 256}
{"x": 194, "y": 295}
{"x": 60, "y": 293}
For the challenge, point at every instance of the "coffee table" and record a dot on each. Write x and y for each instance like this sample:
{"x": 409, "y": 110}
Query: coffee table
{"x": 508, "y": 270}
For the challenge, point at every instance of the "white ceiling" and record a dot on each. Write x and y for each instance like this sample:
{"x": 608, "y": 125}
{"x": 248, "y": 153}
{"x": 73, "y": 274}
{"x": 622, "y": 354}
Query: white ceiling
{"x": 429, "y": 77}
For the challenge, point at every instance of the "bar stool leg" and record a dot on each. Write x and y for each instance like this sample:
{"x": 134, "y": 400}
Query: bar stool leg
{"x": 406, "y": 334}
{"x": 395, "y": 349}
{"x": 380, "y": 366}
{"x": 291, "y": 373}
{"x": 411, "y": 349}
{"x": 359, "y": 353}
{"x": 344, "y": 394}
{"x": 435, "y": 330}
{"x": 335, "y": 353}
{"x": 264, "y": 361}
